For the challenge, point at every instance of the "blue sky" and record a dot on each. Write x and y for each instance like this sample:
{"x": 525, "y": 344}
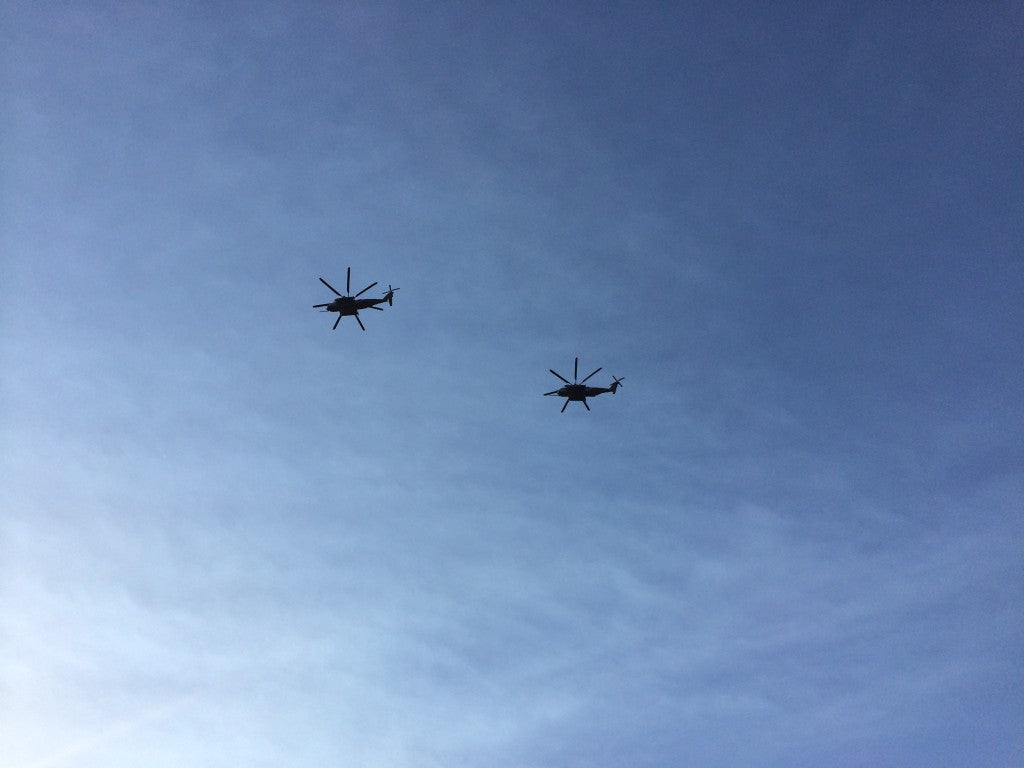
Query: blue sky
{"x": 233, "y": 536}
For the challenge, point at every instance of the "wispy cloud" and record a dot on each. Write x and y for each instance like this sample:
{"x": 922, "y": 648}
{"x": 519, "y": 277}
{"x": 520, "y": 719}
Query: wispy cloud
{"x": 236, "y": 536}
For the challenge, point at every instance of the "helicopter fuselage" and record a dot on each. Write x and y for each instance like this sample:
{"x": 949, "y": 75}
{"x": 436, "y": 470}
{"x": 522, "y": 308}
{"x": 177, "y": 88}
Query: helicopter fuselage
{"x": 579, "y": 392}
{"x": 347, "y": 305}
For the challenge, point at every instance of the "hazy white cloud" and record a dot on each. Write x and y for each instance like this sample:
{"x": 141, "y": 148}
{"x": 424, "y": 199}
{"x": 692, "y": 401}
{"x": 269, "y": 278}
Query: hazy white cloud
{"x": 232, "y": 535}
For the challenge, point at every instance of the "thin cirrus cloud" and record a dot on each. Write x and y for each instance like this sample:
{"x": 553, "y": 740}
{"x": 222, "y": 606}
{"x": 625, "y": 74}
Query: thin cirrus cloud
{"x": 232, "y": 534}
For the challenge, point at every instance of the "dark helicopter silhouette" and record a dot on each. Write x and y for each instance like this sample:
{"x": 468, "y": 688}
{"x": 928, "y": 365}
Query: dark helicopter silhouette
{"x": 350, "y": 305}
{"x": 579, "y": 391}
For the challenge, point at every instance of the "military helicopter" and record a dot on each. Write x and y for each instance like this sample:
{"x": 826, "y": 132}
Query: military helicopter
{"x": 579, "y": 391}
{"x": 350, "y": 305}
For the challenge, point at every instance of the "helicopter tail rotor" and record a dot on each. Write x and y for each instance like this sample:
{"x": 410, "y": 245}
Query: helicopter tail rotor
{"x": 390, "y": 295}
{"x": 616, "y": 383}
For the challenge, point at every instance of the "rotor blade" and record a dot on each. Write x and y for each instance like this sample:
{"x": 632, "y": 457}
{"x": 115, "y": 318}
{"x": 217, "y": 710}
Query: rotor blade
{"x": 565, "y": 404}
{"x": 576, "y": 369}
{"x": 348, "y": 281}
{"x": 317, "y": 306}
{"x": 380, "y": 309}
{"x": 589, "y": 375}
{"x": 560, "y": 376}
{"x": 366, "y": 289}
{"x": 360, "y": 321}
{"x": 585, "y": 404}
{"x": 329, "y": 286}
{"x": 336, "y": 322}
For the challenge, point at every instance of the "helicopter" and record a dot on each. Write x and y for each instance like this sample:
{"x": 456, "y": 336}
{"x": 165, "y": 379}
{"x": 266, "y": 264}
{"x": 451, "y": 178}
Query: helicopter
{"x": 579, "y": 391}
{"x": 350, "y": 305}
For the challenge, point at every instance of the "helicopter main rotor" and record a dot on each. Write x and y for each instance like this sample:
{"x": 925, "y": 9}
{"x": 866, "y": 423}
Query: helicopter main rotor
{"x": 348, "y": 286}
{"x": 575, "y": 374}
